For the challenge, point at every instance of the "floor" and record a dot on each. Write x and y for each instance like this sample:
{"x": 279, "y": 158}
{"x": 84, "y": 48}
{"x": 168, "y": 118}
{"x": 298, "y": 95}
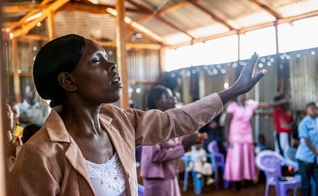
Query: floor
{"x": 257, "y": 190}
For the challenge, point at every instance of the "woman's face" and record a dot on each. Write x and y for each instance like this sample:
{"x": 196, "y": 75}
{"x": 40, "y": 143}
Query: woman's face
{"x": 95, "y": 77}
{"x": 167, "y": 101}
{"x": 242, "y": 98}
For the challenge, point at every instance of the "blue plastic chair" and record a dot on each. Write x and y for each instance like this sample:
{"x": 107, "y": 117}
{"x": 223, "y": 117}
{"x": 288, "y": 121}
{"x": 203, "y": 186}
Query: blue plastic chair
{"x": 290, "y": 156}
{"x": 198, "y": 183}
{"x": 270, "y": 163}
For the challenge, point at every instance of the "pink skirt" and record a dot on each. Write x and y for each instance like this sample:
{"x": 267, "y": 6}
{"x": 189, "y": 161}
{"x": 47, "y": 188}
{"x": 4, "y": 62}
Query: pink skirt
{"x": 240, "y": 162}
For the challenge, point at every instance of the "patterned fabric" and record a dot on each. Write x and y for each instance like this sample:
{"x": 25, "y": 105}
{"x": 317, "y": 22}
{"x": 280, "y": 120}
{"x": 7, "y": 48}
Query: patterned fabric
{"x": 110, "y": 176}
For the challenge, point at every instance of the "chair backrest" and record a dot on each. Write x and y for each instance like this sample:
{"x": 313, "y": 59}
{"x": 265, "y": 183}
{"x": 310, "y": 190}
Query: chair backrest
{"x": 213, "y": 147}
{"x": 270, "y": 162}
{"x": 290, "y": 156}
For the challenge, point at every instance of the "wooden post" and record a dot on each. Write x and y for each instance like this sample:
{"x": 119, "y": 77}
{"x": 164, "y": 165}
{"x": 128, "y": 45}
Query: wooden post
{"x": 16, "y": 76}
{"x": 51, "y": 25}
{"x": 121, "y": 52}
{"x": 3, "y": 114}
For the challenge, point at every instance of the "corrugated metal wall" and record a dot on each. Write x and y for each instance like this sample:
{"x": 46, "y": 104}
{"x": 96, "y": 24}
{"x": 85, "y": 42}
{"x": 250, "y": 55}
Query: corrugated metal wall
{"x": 212, "y": 79}
{"x": 304, "y": 75}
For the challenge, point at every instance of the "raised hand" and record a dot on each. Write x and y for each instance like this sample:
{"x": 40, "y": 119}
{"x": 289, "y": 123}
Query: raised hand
{"x": 245, "y": 82}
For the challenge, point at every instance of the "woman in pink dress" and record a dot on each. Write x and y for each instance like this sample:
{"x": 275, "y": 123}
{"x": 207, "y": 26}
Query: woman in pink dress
{"x": 240, "y": 161}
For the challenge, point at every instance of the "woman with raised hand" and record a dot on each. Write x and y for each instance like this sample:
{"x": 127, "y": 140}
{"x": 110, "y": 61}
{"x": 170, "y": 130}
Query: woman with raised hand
{"x": 87, "y": 145}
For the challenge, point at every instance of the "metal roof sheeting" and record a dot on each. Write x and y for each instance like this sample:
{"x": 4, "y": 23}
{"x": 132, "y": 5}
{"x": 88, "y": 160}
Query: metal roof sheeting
{"x": 179, "y": 21}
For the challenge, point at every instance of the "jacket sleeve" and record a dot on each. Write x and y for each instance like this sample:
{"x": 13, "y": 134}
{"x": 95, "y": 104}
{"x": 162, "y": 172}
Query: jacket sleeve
{"x": 166, "y": 154}
{"x": 153, "y": 126}
{"x": 32, "y": 175}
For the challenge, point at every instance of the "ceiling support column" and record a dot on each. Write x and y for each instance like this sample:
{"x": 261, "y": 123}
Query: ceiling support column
{"x": 121, "y": 52}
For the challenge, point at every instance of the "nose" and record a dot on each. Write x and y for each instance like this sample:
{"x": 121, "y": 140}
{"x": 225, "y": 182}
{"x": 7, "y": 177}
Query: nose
{"x": 111, "y": 66}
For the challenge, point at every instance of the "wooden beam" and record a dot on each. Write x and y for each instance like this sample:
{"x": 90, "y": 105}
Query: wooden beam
{"x": 141, "y": 7}
{"x": 121, "y": 52}
{"x": 36, "y": 37}
{"x": 267, "y": 9}
{"x": 215, "y": 17}
{"x": 31, "y": 13}
{"x": 51, "y": 25}
{"x": 160, "y": 18}
{"x": 137, "y": 27}
{"x": 167, "y": 9}
{"x": 20, "y": 8}
{"x": 86, "y": 6}
{"x": 15, "y": 63}
{"x": 174, "y": 7}
{"x": 28, "y": 26}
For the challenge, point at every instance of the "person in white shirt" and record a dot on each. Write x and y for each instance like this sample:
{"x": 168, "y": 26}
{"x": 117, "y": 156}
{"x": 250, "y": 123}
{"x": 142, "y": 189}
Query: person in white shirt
{"x": 32, "y": 110}
{"x": 200, "y": 164}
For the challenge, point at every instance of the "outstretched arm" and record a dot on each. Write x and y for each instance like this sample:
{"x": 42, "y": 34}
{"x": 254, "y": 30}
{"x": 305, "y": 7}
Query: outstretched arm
{"x": 272, "y": 104}
{"x": 245, "y": 82}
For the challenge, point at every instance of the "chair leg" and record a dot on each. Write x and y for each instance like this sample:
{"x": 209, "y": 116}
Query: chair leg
{"x": 216, "y": 176}
{"x": 267, "y": 189}
{"x": 198, "y": 183}
{"x": 185, "y": 180}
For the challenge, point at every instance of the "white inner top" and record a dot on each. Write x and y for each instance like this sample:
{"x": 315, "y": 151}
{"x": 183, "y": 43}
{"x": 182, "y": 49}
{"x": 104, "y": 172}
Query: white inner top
{"x": 107, "y": 178}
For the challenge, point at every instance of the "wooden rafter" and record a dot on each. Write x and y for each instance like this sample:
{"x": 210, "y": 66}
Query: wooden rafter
{"x": 94, "y": 8}
{"x": 31, "y": 13}
{"x": 215, "y": 17}
{"x": 267, "y": 9}
{"x": 28, "y": 26}
{"x": 20, "y": 8}
{"x": 135, "y": 26}
{"x": 160, "y": 18}
{"x": 167, "y": 9}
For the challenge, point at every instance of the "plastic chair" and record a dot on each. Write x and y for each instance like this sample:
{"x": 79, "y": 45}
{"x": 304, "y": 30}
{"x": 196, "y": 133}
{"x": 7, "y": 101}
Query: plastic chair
{"x": 198, "y": 183}
{"x": 219, "y": 161}
{"x": 290, "y": 156}
{"x": 270, "y": 163}
{"x": 141, "y": 190}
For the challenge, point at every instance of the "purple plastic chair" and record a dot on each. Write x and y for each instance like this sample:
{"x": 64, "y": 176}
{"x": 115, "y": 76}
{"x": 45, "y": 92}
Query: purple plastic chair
{"x": 219, "y": 161}
{"x": 141, "y": 190}
{"x": 270, "y": 163}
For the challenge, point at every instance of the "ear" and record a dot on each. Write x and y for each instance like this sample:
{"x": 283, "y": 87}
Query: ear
{"x": 67, "y": 81}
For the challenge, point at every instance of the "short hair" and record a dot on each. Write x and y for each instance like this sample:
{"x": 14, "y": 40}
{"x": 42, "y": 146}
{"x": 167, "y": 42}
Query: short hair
{"x": 61, "y": 54}
{"x": 311, "y": 104}
{"x": 153, "y": 95}
{"x": 29, "y": 131}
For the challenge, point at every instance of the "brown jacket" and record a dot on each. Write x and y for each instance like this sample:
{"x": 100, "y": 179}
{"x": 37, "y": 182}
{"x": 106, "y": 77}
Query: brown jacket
{"x": 51, "y": 163}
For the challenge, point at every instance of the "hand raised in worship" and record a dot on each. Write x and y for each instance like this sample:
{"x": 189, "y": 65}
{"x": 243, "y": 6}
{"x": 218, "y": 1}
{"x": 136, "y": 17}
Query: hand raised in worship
{"x": 245, "y": 82}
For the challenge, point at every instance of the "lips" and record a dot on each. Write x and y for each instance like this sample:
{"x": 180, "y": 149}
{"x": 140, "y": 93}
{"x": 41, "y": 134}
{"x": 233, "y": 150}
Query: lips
{"x": 116, "y": 79}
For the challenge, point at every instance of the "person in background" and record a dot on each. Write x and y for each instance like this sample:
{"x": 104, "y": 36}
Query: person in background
{"x": 158, "y": 166}
{"x": 307, "y": 151}
{"x": 283, "y": 119}
{"x": 240, "y": 162}
{"x": 32, "y": 110}
{"x": 200, "y": 163}
{"x": 9, "y": 139}
{"x": 17, "y": 129}
{"x": 260, "y": 145}
{"x": 213, "y": 131}
{"x": 87, "y": 146}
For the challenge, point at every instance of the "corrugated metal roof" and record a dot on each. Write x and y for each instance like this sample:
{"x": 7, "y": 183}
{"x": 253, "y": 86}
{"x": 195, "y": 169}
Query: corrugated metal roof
{"x": 174, "y": 21}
